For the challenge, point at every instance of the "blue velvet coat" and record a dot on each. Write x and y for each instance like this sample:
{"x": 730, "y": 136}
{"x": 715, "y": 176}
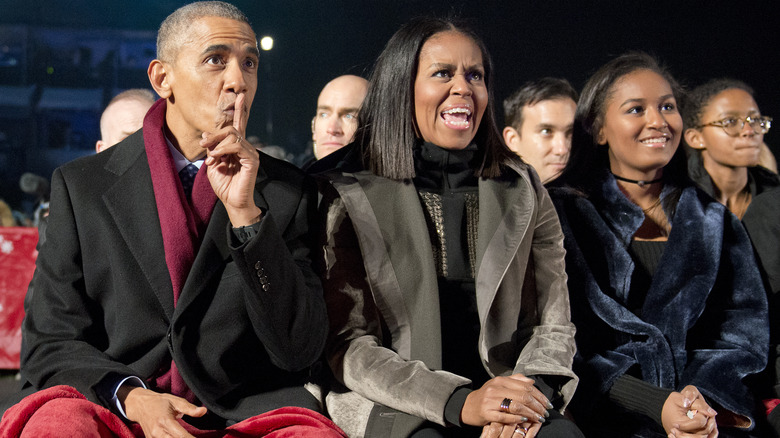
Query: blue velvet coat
{"x": 704, "y": 320}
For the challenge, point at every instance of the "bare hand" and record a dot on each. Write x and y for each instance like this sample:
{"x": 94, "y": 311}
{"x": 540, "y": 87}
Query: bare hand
{"x": 156, "y": 413}
{"x": 483, "y": 406}
{"x": 492, "y": 430}
{"x": 676, "y": 421}
{"x": 498, "y": 430}
{"x": 533, "y": 429}
{"x": 232, "y": 168}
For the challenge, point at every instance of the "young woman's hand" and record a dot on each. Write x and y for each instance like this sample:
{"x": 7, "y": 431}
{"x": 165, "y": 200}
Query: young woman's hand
{"x": 687, "y": 414}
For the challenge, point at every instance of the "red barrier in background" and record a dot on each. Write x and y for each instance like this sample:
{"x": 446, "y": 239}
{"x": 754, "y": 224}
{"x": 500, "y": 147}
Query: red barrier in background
{"x": 17, "y": 263}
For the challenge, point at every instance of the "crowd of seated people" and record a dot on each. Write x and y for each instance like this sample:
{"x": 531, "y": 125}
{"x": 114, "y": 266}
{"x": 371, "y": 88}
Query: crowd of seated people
{"x": 603, "y": 264}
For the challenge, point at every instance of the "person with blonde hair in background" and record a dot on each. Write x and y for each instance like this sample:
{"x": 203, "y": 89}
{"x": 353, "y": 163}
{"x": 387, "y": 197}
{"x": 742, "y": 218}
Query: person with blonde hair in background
{"x": 6, "y": 215}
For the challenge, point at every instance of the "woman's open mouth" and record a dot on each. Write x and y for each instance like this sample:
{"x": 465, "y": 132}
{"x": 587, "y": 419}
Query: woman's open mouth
{"x": 457, "y": 117}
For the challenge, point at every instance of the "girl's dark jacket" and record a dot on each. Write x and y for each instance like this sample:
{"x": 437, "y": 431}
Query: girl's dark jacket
{"x": 704, "y": 320}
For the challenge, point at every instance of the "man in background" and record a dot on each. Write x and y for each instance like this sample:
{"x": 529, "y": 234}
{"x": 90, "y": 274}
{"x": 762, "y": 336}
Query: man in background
{"x": 123, "y": 115}
{"x": 539, "y": 120}
{"x": 335, "y": 123}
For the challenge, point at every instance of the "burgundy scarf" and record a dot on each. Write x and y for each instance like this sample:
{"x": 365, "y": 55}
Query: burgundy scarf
{"x": 182, "y": 222}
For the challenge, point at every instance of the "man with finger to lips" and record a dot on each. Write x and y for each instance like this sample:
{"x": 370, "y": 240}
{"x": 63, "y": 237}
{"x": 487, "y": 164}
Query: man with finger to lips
{"x": 175, "y": 288}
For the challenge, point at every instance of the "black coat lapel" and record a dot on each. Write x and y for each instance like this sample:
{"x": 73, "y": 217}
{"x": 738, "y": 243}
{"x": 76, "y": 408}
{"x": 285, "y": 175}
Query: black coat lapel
{"x": 130, "y": 200}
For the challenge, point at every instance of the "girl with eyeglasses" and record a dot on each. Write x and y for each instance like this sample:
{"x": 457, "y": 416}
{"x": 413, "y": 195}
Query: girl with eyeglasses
{"x": 725, "y": 133}
{"x": 670, "y": 309}
{"x": 724, "y": 138}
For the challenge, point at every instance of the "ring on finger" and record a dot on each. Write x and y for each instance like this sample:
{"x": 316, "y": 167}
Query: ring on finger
{"x": 505, "y": 403}
{"x": 521, "y": 430}
{"x": 238, "y": 139}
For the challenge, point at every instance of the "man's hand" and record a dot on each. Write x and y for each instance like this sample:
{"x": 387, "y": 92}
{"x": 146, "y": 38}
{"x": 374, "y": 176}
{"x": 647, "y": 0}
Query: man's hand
{"x": 232, "y": 168}
{"x": 156, "y": 413}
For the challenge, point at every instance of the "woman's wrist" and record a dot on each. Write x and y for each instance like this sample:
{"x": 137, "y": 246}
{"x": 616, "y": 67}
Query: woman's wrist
{"x": 638, "y": 396}
{"x": 454, "y": 406}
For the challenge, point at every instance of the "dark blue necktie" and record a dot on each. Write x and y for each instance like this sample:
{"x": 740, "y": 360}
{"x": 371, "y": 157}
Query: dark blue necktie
{"x": 187, "y": 176}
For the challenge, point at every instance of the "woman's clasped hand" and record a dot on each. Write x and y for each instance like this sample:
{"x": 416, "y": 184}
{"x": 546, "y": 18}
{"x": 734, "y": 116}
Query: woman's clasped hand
{"x": 507, "y": 406}
{"x": 687, "y": 414}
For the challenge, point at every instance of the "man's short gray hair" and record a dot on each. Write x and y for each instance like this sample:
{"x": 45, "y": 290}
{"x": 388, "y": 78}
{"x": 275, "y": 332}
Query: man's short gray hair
{"x": 173, "y": 30}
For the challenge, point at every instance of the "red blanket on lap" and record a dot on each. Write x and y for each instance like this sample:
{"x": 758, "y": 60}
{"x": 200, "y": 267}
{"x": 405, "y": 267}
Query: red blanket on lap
{"x": 63, "y": 411}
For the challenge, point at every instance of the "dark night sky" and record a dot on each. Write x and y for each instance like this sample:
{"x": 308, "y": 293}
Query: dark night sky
{"x": 318, "y": 40}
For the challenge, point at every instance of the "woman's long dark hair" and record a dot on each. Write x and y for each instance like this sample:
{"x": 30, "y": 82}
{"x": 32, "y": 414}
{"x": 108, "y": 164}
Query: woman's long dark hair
{"x": 386, "y": 126}
{"x": 588, "y": 160}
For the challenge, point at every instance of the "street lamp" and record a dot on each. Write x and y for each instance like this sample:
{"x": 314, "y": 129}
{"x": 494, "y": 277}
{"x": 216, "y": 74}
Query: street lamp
{"x": 267, "y": 43}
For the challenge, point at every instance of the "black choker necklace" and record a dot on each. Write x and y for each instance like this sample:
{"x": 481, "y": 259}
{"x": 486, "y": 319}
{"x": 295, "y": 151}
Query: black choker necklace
{"x": 638, "y": 182}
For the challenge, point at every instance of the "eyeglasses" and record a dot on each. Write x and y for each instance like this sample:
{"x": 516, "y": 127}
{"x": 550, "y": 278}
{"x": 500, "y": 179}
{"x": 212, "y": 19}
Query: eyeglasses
{"x": 733, "y": 126}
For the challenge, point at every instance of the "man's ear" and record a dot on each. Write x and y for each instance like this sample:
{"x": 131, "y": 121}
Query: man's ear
{"x": 511, "y": 137}
{"x": 100, "y": 145}
{"x": 694, "y": 139}
{"x": 159, "y": 77}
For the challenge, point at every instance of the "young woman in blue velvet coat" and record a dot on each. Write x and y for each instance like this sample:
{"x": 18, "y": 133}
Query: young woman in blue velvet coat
{"x": 669, "y": 305}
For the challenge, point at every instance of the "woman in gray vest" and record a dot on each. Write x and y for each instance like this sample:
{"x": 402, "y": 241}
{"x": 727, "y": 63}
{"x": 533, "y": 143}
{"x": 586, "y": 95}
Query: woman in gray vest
{"x": 442, "y": 258}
